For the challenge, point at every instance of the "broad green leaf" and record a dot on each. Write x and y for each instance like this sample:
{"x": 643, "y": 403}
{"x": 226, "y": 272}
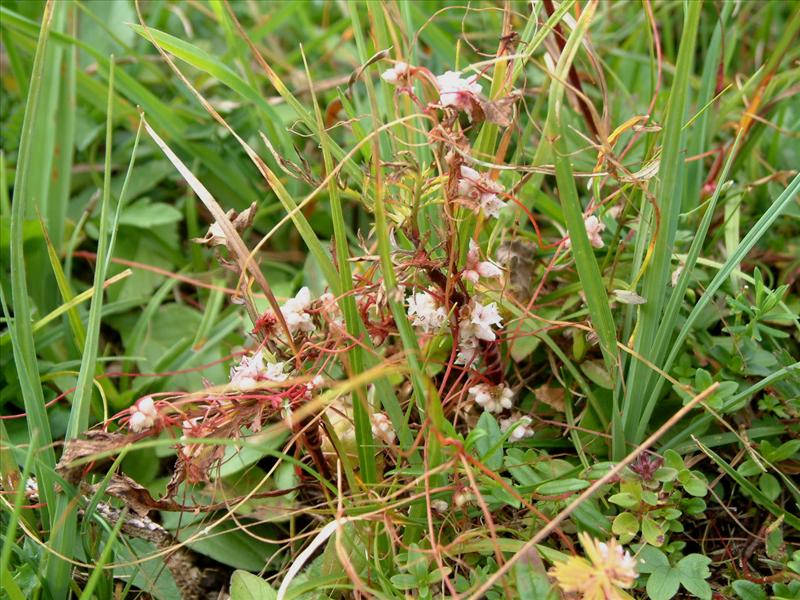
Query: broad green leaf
{"x": 694, "y": 571}
{"x": 663, "y": 583}
{"x": 229, "y": 545}
{"x": 488, "y": 445}
{"x": 748, "y": 590}
{"x": 770, "y": 486}
{"x": 145, "y": 214}
{"x": 650, "y": 559}
{"x": 626, "y": 526}
{"x": 652, "y": 531}
{"x": 246, "y": 586}
{"x": 624, "y": 499}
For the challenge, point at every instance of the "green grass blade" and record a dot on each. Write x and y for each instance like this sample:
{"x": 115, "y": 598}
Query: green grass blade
{"x": 79, "y": 416}
{"x": 226, "y": 175}
{"x": 671, "y": 175}
{"x": 56, "y": 209}
{"x": 780, "y": 205}
{"x": 699, "y": 141}
{"x": 361, "y": 416}
{"x": 105, "y": 555}
{"x": 666, "y": 328}
{"x": 585, "y": 261}
{"x": 66, "y": 532}
{"x": 19, "y": 499}
{"x": 21, "y": 331}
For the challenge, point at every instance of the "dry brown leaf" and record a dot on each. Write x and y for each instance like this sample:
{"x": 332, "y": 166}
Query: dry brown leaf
{"x": 552, "y": 396}
{"x": 96, "y": 443}
{"x": 500, "y": 111}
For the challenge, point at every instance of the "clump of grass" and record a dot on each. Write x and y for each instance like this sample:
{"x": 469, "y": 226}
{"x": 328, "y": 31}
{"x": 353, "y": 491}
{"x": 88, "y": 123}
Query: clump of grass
{"x": 401, "y": 300}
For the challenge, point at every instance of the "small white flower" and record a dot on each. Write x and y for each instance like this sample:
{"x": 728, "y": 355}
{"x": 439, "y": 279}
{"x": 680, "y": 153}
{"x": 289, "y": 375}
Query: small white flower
{"x": 475, "y": 268}
{"x": 457, "y": 92}
{"x": 594, "y": 227}
{"x": 481, "y": 191}
{"x": 439, "y": 506}
{"x": 425, "y": 312}
{"x": 493, "y": 399}
{"x": 382, "y": 428}
{"x": 138, "y": 422}
{"x": 460, "y": 499}
{"x": 245, "y": 375}
{"x": 522, "y": 428}
{"x": 274, "y": 372}
{"x": 147, "y": 406}
{"x": 480, "y": 320}
{"x": 143, "y": 415}
{"x": 396, "y": 74}
{"x": 491, "y": 205}
{"x": 467, "y": 350}
{"x": 294, "y": 311}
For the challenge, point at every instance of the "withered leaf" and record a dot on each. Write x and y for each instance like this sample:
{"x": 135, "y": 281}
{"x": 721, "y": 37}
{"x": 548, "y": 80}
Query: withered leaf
{"x": 500, "y": 111}
{"x": 552, "y": 396}
{"x": 97, "y": 443}
{"x": 518, "y": 259}
{"x": 240, "y": 221}
{"x": 131, "y": 493}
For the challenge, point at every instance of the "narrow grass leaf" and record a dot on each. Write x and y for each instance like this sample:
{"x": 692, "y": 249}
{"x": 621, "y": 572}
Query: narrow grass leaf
{"x": 662, "y": 224}
{"x": 778, "y": 207}
{"x": 20, "y": 327}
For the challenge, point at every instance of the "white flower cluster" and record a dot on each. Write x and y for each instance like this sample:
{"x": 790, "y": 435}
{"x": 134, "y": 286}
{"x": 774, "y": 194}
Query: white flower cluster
{"x": 522, "y": 428}
{"x": 475, "y": 268}
{"x": 397, "y": 74}
{"x": 246, "y": 375}
{"x": 481, "y": 190}
{"x": 594, "y": 227}
{"x": 492, "y": 398}
{"x": 294, "y": 312}
{"x": 476, "y": 325}
{"x": 382, "y": 428}
{"x": 458, "y": 92}
{"x": 455, "y": 91}
{"x": 143, "y": 415}
{"x": 425, "y": 312}
{"x": 479, "y": 321}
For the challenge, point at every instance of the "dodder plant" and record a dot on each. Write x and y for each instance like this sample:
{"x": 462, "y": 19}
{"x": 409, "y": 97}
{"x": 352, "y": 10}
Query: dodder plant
{"x": 441, "y": 392}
